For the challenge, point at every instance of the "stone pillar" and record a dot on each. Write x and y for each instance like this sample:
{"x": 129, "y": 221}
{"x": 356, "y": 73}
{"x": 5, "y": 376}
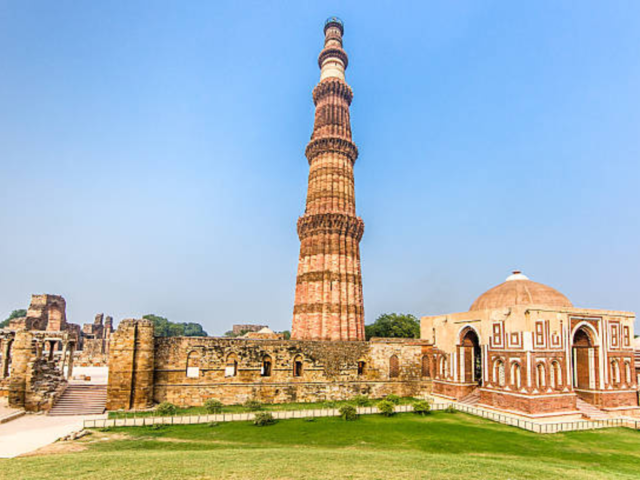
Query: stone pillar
{"x": 22, "y": 354}
{"x": 4, "y": 366}
{"x": 71, "y": 347}
{"x": 131, "y": 365}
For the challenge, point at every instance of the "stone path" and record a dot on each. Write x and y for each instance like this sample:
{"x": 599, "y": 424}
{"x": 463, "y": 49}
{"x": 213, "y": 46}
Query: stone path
{"x": 32, "y": 432}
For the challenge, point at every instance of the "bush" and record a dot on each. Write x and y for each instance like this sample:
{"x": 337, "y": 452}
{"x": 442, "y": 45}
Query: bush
{"x": 263, "y": 419}
{"x": 213, "y": 406}
{"x": 253, "y": 405}
{"x": 421, "y": 407}
{"x": 329, "y": 404}
{"x": 386, "y": 408}
{"x": 362, "y": 400}
{"x": 450, "y": 409}
{"x": 348, "y": 412}
{"x": 166, "y": 409}
{"x": 395, "y": 399}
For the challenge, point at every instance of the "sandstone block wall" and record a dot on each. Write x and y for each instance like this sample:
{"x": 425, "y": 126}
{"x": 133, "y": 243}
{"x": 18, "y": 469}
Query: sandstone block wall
{"x": 187, "y": 371}
{"x": 131, "y": 366}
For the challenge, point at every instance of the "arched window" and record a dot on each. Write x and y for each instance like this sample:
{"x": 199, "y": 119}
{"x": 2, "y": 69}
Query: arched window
{"x": 541, "y": 376}
{"x": 265, "y": 369}
{"x": 394, "y": 367}
{"x": 298, "y": 366}
{"x": 498, "y": 373}
{"x": 231, "y": 368}
{"x": 362, "y": 366}
{"x": 627, "y": 373}
{"x": 193, "y": 365}
{"x": 516, "y": 377}
{"x": 426, "y": 368}
{"x": 555, "y": 375}
{"x": 615, "y": 372}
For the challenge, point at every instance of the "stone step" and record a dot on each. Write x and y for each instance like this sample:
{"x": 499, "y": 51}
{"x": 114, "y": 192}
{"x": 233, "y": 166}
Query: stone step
{"x": 81, "y": 400}
{"x": 472, "y": 399}
{"x": 590, "y": 411}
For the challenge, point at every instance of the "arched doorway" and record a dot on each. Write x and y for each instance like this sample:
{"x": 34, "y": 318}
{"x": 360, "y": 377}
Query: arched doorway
{"x": 471, "y": 357}
{"x": 585, "y": 359}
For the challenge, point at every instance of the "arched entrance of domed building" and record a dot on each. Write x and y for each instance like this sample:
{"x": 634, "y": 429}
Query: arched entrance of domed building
{"x": 585, "y": 358}
{"x": 470, "y": 356}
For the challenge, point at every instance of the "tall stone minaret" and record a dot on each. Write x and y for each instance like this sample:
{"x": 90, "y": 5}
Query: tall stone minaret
{"x": 328, "y": 303}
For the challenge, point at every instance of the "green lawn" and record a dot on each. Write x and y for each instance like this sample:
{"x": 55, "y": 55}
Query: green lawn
{"x": 269, "y": 407}
{"x": 439, "y": 446}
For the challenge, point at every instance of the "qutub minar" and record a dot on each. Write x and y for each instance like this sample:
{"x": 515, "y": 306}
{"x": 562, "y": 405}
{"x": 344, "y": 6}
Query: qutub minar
{"x": 328, "y": 301}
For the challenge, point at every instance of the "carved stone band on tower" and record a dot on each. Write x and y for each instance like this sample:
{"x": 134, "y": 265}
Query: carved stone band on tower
{"x": 328, "y": 302}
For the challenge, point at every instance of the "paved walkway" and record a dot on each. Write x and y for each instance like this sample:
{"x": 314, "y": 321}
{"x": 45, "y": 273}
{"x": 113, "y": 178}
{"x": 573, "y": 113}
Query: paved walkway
{"x": 32, "y": 432}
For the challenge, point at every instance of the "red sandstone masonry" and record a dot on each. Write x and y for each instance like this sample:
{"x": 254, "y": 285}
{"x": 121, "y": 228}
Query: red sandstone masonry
{"x": 328, "y": 299}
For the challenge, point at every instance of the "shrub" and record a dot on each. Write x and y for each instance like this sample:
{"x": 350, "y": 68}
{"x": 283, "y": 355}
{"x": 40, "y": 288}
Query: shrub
{"x": 395, "y": 399}
{"x": 263, "y": 419}
{"x": 386, "y": 408}
{"x": 329, "y": 404}
{"x": 213, "y": 406}
{"x": 450, "y": 409}
{"x": 348, "y": 412}
{"x": 362, "y": 400}
{"x": 166, "y": 409}
{"x": 421, "y": 407}
{"x": 253, "y": 405}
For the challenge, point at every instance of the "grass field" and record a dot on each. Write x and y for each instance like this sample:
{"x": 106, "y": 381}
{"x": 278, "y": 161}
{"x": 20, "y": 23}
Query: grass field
{"x": 439, "y": 446}
{"x": 268, "y": 407}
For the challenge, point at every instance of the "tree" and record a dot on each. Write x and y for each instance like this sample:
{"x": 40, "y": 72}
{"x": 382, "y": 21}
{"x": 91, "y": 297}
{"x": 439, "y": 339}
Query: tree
{"x": 394, "y": 325}
{"x": 167, "y": 328}
{"x": 235, "y": 335}
{"x": 15, "y": 314}
{"x": 286, "y": 334}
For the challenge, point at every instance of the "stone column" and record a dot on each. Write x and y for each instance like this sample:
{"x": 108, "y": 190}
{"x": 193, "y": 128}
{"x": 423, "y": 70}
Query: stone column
{"x": 22, "y": 354}
{"x": 4, "y": 366}
{"x": 71, "y": 347}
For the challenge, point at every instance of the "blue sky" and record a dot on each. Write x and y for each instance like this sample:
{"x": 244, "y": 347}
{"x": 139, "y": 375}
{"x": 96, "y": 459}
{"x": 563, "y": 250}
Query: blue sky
{"x": 152, "y": 153}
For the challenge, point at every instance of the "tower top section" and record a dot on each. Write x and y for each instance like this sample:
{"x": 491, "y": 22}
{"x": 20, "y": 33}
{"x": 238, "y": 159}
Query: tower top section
{"x": 333, "y": 59}
{"x": 334, "y": 22}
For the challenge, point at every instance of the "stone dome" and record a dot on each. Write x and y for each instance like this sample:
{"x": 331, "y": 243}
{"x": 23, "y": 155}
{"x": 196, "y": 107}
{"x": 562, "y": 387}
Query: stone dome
{"x": 519, "y": 290}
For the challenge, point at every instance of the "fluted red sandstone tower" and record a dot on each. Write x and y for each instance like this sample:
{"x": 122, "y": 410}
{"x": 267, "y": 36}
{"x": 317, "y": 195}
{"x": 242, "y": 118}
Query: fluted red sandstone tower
{"x": 328, "y": 303}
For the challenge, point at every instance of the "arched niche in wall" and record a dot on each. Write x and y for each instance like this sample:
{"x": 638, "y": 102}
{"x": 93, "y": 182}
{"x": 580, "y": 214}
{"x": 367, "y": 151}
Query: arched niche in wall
{"x": 193, "y": 365}
{"x": 394, "y": 367}
{"x": 231, "y": 365}
{"x": 266, "y": 367}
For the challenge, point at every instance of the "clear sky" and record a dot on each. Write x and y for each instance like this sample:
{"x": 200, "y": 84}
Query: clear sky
{"x": 152, "y": 152}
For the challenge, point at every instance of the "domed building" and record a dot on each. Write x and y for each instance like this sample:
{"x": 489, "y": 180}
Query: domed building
{"x": 524, "y": 348}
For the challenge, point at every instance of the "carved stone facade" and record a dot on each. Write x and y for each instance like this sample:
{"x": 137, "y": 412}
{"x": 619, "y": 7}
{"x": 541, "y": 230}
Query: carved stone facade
{"x": 328, "y": 299}
{"x": 524, "y": 348}
{"x": 189, "y": 370}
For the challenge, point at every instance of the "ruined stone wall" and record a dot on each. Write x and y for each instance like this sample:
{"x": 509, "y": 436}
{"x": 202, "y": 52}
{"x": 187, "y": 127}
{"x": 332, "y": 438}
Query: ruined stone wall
{"x": 187, "y": 371}
{"x": 35, "y": 381}
{"x": 131, "y": 364}
{"x": 94, "y": 353}
{"x": 329, "y": 370}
